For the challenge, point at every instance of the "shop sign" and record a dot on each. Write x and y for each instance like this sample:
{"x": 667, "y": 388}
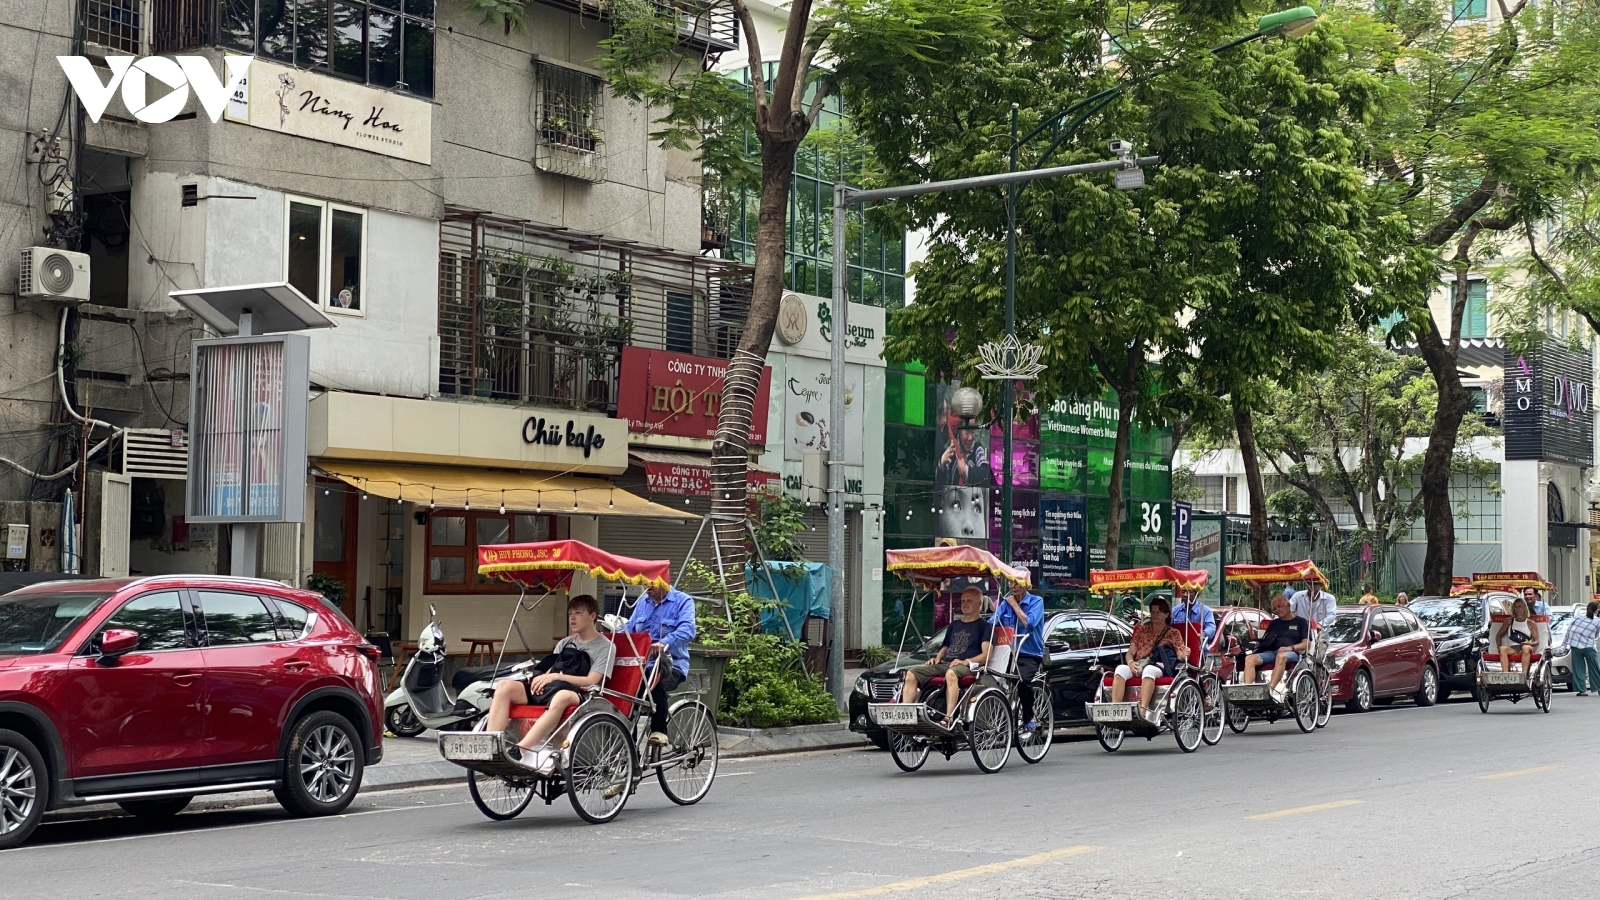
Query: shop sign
{"x": 1549, "y": 405}
{"x": 687, "y": 480}
{"x": 305, "y": 104}
{"x": 808, "y": 424}
{"x": 797, "y": 483}
{"x": 806, "y": 328}
{"x": 1063, "y": 536}
{"x": 680, "y": 394}
{"x": 550, "y": 433}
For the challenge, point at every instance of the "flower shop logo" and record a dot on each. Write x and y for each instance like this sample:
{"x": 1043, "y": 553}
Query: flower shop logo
{"x": 180, "y": 74}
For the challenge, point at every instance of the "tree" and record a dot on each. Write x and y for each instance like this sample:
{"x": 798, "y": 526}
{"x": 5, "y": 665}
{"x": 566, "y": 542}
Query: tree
{"x": 1486, "y": 128}
{"x": 1250, "y": 220}
{"x": 1561, "y": 269}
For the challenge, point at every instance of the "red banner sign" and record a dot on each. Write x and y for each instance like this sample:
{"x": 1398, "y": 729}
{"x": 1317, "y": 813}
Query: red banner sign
{"x": 685, "y": 480}
{"x": 680, "y": 394}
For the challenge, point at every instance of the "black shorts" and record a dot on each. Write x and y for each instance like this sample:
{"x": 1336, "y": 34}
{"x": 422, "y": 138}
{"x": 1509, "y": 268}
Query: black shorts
{"x": 544, "y": 697}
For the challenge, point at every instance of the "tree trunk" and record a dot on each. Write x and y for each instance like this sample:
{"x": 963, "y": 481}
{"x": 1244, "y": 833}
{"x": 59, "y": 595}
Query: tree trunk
{"x": 1438, "y": 514}
{"x": 1245, "y": 427}
{"x": 730, "y": 451}
{"x": 1126, "y": 401}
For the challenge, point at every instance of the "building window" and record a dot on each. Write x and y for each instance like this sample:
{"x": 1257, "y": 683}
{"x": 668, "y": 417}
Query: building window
{"x": 115, "y": 24}
{"x": 384, "y": 43}
{"x": 1475, "y": 319}
{"x": 326, "y": 255}
{"x": 570, "y": 110}
{"x": 1466, "y": 10}
{"x": 680, "y": 322}
{"x": 453, "y": 540}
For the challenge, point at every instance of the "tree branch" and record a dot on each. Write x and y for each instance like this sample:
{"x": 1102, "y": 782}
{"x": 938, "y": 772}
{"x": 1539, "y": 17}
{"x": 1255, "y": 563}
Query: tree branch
{"x": 1464, "y": 209}
{"x": 791, "y": 78}
{"x": 752, "y": 46}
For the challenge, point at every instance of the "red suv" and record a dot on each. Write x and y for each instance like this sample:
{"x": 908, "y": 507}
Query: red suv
{"x": 145, "y": 692}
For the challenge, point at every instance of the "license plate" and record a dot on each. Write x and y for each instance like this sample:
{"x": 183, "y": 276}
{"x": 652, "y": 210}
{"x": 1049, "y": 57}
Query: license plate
{"x": 894, "y": 713}
{"x": 469, "y": 746}
{"x": 1503, "y": 678}
{"x": 1247, "y": 692}
{"x": 1113, "y": 712}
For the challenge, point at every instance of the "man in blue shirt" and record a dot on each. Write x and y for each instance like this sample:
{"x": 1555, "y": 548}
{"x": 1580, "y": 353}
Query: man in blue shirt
{"x": 1536, "y": 606}
{"x": 1190, "y": 609}
{"x": 1024, "y": 612}
{"x": 667, "y": 615}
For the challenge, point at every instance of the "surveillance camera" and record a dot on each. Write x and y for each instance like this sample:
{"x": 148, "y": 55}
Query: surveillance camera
{"x": 1121, "y": 148}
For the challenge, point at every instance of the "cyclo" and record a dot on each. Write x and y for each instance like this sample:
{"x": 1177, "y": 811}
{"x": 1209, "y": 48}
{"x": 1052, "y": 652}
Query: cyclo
{"x": 1189, "y": 703}
{"x": 1310, "y": 683}
{"x": 1533, "y": 680}
{"x": 602, "y": 746}
{"x": 988, "y": 717}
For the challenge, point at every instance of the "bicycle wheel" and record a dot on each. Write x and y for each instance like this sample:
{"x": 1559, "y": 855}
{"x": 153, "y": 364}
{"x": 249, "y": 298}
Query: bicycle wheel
{"x": 1324, "y": 696}
{"x": 989, "y": 730}
{"x": 1543, "y": 688}
{"x": 908, "y": 751}
{"x": 1216, "y": 710}
{"x": 599, "y": 769}
{"x": 694, "y": 743}
{"x": 497, "y": 797}
{"x": 1483, "y": 699}
{"x": 1238, "y": 718}
{"x": 1188, "y": 716}
{"x": 1110, "y": 738}
{"x": 1033, "y": 744}
{"x": 1303, "y": 698}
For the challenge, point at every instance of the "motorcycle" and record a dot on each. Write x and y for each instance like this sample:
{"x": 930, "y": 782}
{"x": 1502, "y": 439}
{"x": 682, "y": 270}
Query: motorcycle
{"x": 422, "y": 700}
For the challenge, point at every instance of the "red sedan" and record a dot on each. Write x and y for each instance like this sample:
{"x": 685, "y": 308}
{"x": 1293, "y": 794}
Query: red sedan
{"x": 1379, "y": 653}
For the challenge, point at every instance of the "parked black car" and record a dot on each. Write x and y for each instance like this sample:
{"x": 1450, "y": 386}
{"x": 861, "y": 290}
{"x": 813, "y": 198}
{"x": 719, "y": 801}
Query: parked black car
{"x": 1075, "y": 642}
{"x": 1460, "y": 630}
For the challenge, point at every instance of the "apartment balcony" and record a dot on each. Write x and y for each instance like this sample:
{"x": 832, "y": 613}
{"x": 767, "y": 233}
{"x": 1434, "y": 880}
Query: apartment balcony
{"x": 535, "y": 314}
{"x": 708, "y": 26}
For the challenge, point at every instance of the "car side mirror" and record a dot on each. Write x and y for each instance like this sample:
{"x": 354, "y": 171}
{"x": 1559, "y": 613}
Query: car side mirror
{"x": 114, "y": 642}
{"x": 1374, "y": 636}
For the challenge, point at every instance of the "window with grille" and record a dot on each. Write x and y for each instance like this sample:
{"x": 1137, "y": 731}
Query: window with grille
{"x": 115, "y": 24}
{"x": 570, "y": 111}
{"x": 1475, "y": 318}
{"x": 384, "y": 43}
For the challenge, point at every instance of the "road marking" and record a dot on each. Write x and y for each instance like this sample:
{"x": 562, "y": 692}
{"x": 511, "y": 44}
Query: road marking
{"x": 1337, "y": 804}
{"x": 731, "y": 774}
{"x": 1533, "y": 771}
{"x": 958, "y": 875}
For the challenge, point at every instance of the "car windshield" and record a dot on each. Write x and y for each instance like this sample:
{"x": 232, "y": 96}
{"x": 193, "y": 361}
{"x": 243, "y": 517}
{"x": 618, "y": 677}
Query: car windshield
{"x": 1449, "y": 613}
{"x": 1559, "y": 623}
{"x": 1346, "y": 627}
{"x": 38, "y": 623}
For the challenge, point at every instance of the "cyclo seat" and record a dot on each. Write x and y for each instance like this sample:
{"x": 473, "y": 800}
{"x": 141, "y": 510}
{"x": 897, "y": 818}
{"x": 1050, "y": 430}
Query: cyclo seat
{"x": 621, "y": 688}
{"x": 1500, "y": 623}
{"x": 1163, "y": 680}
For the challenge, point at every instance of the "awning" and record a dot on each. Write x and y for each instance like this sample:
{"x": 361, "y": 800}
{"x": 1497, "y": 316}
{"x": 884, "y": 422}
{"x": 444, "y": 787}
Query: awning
{"x": 459, "y": 488}
{"x": 686, "y": 474}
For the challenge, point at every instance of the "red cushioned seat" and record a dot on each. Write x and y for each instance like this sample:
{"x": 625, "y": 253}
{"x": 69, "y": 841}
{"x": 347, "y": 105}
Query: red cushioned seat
{"x": 1514, "y": 656}
{"x": 523, "y": 711}
{"x": 1109, "y": 679}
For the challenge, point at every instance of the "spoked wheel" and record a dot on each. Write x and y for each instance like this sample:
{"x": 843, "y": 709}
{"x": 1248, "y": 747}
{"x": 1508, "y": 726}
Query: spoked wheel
{"x": 1188, "y": 716}
{"x": 1543, "y": 689}
{"x": 1034, "y": 743}
{"x": 1110, "y": 738}
{"x": 1324, "y": 697}
{"x": 1238, "y": 719}
{"x": 599, "y": 769}
{"x": 499, "y": 798}
{"x": 694, "y": 741}
{"x": 989, "y": 731}
{"x": 1216, "y": 710}
{"x": 908, "y": 751}
{"x": 402, "y": 721}
{"x": 1483, "y": 699}
{"x": 1303, "y": 695}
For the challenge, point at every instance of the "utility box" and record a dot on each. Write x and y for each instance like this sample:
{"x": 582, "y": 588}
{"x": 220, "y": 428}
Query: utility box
{"x": 16, "y": 542}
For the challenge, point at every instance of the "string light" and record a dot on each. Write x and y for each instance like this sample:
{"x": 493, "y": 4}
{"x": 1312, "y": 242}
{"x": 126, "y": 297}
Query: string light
{"x": 502, "y": 502}
{"x": 574, "y": 501}
{"x": 611, "y": 503}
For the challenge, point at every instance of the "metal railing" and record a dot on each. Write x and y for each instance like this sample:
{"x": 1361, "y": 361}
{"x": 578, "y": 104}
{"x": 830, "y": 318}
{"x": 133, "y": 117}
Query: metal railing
{"x": 536, "y": 314}
{"x": 707, "y": 25}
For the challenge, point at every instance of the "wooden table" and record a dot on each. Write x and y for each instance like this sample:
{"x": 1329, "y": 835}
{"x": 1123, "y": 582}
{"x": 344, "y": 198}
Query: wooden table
{"x": 481, "y": 648}
{"x": 402, "y": 653}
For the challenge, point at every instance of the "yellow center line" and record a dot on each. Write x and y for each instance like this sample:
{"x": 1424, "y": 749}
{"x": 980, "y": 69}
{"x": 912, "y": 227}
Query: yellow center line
{"x": 1533, "y": 771}
{"x": 1337, "y": 804}
{"x": 957, "y": 875}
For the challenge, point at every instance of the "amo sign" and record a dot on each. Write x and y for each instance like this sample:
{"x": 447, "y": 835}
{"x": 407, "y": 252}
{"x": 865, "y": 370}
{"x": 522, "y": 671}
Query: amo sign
{"x": 131, "y": 74}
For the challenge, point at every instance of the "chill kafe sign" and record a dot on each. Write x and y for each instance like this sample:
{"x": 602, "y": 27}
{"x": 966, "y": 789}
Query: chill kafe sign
{"x": 680, "y": 394}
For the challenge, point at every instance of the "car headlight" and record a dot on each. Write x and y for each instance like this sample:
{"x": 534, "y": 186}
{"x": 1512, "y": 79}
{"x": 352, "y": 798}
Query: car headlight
{"x": 1339, "y": 664}
{"x": 1452, "y": 645}
{"x": 862, "y": 686}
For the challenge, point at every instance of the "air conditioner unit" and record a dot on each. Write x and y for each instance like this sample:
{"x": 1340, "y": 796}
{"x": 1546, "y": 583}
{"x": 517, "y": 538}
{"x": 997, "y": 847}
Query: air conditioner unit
{"x": 51, "y": 274}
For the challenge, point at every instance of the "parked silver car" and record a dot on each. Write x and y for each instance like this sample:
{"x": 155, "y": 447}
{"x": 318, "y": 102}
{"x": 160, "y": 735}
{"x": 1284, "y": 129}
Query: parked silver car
{"x": 1561, "y": 657}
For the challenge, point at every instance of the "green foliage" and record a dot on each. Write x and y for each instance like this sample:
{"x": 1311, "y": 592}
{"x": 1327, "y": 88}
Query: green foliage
{"x": 512, "y": 14}
{"x": 328, "y": 586}
{"x": 781, "y": 518}
{"x": 1560, "y": 271}
{"x": 876, "y": 655}
{"x": 766, "y": 684}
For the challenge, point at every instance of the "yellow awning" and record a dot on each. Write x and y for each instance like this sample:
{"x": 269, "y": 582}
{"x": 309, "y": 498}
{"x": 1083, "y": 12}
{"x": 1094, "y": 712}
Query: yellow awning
{"x": 457, "y": 488}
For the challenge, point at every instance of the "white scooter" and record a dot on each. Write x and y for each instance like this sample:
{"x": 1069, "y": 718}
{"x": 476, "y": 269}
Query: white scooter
{"x": 422, "y": 701}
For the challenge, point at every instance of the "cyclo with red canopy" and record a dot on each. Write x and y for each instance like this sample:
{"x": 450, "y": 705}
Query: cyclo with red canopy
{"x": 602, "y": 747}
{"x": 1189, "y": 703}
{"x": 1502, "y": 683}
{"x": 989, "y": 717}
{"x": 1309, "y": 698}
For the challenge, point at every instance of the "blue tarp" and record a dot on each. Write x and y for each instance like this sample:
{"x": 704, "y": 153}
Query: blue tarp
{"x": 798, "y": 597}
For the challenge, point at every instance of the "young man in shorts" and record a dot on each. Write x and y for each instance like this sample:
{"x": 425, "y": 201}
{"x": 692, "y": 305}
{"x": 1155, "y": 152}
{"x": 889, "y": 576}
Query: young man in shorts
{"x": 966, "y": 646}
{"x": 554, "y": 690}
